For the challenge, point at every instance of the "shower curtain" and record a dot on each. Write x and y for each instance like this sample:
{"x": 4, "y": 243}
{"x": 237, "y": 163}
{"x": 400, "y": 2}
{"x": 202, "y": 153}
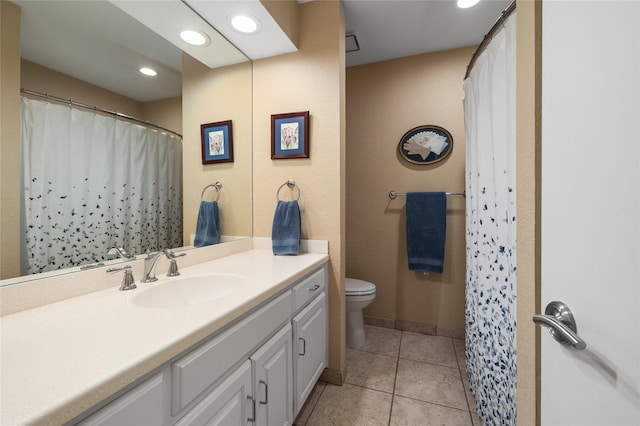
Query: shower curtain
{"x": 489, "y": 109}
{"x": 92, "y": 182}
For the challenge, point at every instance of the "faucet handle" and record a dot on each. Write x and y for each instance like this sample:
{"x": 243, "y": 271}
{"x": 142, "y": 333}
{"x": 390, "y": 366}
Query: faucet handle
{"x": 173, "y": 269}
{"x": 120, "y": 252}
{"x": 128, "y": 282}
{"x": 171, "y": 255}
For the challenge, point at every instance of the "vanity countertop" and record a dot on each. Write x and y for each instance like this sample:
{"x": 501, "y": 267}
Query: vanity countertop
{"x": 61, "y": 359}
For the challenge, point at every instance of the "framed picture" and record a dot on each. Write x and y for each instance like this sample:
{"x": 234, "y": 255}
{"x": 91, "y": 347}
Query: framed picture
{"x": 425, "y": 145}
{"x": 217, "y": 142}
{"x": 290, "y": 135}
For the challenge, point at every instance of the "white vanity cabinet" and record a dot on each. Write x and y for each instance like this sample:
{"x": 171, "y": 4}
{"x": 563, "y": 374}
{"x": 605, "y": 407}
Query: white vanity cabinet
{"x": 258, "y": 370}
{"x": 273, "y": 380}
{"x": 310, "y": 334}
{"x": 145, "y": 401}
{"x": 228, "y": 404}
{"x": 310, "y": 337}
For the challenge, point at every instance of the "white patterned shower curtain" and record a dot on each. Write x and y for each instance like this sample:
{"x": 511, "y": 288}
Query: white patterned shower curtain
{"x": 92, "y": 182}
{"x": 489, "y": 109}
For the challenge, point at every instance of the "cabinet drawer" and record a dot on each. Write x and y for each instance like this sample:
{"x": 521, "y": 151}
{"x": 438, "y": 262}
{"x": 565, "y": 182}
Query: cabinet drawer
{"x": 195, "y": 372}
{"x": 309, "y": 288}
{"x": 141, "y": 405}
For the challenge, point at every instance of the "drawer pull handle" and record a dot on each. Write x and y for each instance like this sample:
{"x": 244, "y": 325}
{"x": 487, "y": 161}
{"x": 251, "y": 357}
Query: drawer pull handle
{"x": 266, "y": 392}
{"x": 252, "y": 419}
{"x": 304, "y": 346}
{"x": 314, "y": 288}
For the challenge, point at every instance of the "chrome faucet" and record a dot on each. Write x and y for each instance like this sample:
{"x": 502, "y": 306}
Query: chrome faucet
{"x": 151, "y": 261}
{"x": 119, "y": 252}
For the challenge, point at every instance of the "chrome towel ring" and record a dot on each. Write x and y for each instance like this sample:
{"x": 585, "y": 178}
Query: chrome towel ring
{"x": 216, "y": 185}
{"x": 291, "y": 184}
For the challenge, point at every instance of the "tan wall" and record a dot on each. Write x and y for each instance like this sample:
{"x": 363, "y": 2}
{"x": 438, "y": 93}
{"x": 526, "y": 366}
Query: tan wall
{"x": 385, "y": 100}
{"x": 213, "y": 95}
{"x": 166, "y": 112}
{"x": 9, "y": 140}
{"x": 311, "y": 79}
{"x": 285, "y": 13}
{"x": 45, "y": 80}
{"x": 528, "y": 154}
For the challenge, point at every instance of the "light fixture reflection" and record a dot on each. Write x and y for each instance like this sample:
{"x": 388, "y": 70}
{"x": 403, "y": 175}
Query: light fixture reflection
{"x": 148, "y": 71}
{"x": 194, "y": 38}
{"x": 463, "y": 4}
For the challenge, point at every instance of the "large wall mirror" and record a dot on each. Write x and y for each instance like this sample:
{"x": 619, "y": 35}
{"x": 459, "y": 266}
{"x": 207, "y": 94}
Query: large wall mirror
{"x": 90, "y": 52}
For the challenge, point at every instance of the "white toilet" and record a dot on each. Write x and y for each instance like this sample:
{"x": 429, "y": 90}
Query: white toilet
{"x": 359, "y": 294}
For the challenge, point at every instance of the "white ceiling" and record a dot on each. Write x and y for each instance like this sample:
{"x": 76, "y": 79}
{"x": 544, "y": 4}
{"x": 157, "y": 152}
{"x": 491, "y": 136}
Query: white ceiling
{"x": 98, "y": 42}
{"x": 389, "y": 29}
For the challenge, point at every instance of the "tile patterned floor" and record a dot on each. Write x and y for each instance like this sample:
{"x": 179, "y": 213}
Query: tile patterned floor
{"x": 398, "y": 378}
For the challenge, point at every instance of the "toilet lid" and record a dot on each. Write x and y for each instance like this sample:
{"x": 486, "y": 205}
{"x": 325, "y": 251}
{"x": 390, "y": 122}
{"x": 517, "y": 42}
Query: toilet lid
{"x": 354, "y": 287}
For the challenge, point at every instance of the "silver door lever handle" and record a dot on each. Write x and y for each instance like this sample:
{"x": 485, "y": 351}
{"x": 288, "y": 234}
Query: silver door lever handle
{"x": 559, "y": 318}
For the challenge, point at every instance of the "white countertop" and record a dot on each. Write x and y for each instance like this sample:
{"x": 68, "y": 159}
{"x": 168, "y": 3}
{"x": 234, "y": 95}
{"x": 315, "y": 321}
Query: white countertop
{"x": 58, "y": 360}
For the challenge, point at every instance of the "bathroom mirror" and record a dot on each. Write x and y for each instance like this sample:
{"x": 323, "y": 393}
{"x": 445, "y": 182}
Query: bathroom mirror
{"x": 236, "y": 177}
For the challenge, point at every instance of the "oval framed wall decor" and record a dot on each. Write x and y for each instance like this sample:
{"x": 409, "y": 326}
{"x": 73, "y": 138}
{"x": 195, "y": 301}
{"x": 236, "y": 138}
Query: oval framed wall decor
{"x": 426, "y": 144}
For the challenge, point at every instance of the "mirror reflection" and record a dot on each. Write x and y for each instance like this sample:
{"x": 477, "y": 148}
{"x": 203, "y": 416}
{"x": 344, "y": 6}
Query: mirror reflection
{"x": 184, "y": 94}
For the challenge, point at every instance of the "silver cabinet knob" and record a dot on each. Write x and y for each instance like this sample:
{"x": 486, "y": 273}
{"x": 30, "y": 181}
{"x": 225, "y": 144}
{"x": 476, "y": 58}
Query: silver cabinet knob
{"x": 562, "y": 326}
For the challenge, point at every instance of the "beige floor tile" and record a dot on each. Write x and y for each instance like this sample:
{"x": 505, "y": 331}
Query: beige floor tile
{"x": 352, "y": 406}
{"x": 433, "y": 349}
{"x": 409, "y": 412}
{"x": 476, "y": 419}
{"x": 381, "y": 340}
{"x": 431, "y": 383}
{"x": 371, "y": 370}
{"x": 310, "y": 404}
{"x": 458, "y": 345}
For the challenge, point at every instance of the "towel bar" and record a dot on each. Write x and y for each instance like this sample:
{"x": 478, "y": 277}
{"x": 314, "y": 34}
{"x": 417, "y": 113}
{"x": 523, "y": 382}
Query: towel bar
{"x": 394, "y": 194}
{"x": 216, "y": 185}
{"x": 291, "y": 184}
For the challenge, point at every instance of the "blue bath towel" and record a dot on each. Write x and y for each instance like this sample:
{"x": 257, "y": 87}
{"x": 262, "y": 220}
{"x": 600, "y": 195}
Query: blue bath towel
{"x": 208, "y": 225}
{"x": 426, "y": 230}
{"x": 285, "y": 233}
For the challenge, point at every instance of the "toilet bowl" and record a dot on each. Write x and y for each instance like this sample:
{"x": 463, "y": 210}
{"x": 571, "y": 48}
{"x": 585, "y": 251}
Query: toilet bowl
{"x": 359, "y": 294}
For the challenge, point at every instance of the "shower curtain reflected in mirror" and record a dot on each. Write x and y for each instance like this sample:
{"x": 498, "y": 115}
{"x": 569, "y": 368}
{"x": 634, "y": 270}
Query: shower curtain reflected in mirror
{"x": 489, "y": 109}
{"x": 92, "y": 182}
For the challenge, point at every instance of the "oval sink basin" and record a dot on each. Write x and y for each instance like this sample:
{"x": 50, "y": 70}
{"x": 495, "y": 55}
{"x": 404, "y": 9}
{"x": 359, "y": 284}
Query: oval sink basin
{"x": 191, "y": 290}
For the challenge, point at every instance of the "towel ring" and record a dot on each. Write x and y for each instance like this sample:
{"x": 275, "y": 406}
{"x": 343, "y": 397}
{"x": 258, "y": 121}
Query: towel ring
{"x": 291, "y": 184}
{"x": 216, "y": 185}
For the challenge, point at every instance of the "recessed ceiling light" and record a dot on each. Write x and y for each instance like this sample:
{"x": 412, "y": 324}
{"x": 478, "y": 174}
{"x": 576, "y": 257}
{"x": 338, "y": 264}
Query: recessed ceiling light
{"x": 463, "y": 4}
{"x": 194, "y": 38}
{"x": 148, "y": 71}
{"x": 245, "y": 24}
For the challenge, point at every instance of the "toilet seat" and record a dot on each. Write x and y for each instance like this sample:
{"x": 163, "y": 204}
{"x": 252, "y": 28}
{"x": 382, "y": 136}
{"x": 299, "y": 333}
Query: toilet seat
{"x": 354, "y": 287}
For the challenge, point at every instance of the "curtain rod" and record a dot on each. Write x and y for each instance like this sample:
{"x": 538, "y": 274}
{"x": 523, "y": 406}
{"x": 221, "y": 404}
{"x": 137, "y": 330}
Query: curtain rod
{"x": 95, "y": 108}
{"x": 489, "y": 36}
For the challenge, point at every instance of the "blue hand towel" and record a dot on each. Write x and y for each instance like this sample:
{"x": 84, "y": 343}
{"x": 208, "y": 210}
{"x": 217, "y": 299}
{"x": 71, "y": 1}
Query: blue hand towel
{"x": 208, "y": 225}
{"x": 426, "y": 230}
{"x": 285, "y": 233}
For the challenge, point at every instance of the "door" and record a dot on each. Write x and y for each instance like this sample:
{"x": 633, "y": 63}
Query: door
{"x": 310, "y": 349}
{"x": 273, "y": 383}
{"x": 229, "y": 404}
{"x": 591, "y": 209}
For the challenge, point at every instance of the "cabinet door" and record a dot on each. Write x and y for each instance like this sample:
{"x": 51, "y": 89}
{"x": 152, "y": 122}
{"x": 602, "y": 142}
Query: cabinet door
{"x": 273, "y": 370}
{"x": 229, "y": 404}
{"x": 310, "y": 348}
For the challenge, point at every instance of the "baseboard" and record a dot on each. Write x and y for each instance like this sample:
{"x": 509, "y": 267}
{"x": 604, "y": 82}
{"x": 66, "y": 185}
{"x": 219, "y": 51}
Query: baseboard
{"x": 335, "y": 377}
{"x": 416, "y": 327}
